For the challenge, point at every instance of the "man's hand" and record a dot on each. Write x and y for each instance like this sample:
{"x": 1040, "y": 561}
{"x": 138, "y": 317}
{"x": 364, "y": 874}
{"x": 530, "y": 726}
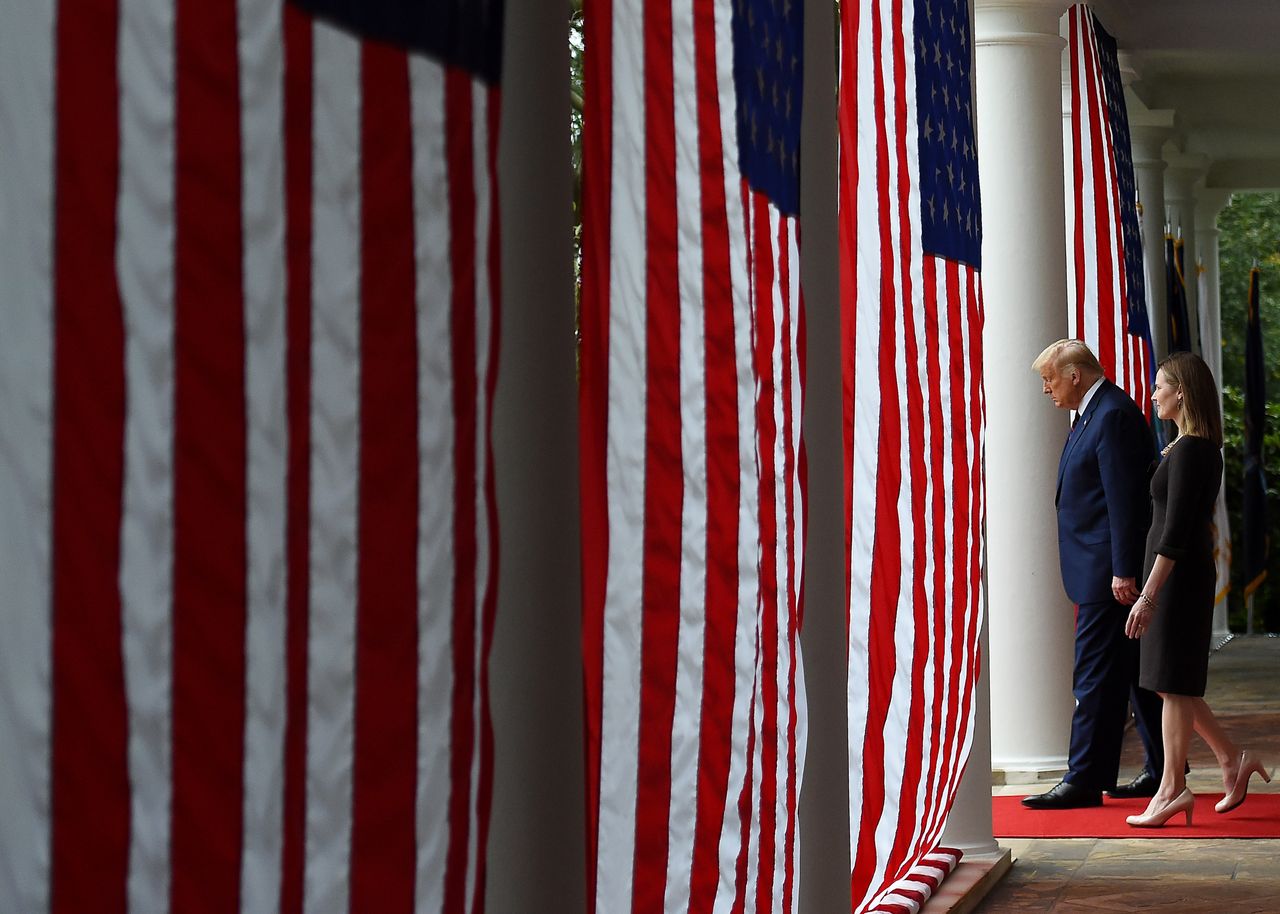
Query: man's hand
{"x": 1125, "y": 590}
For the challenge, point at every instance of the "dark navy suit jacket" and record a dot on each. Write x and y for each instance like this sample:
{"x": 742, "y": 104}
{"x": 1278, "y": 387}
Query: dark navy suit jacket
{"x": 1104, "y": 500}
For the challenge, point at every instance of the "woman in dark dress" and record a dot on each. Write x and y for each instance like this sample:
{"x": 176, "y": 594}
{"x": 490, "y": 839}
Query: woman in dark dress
{"x": 1174, "y": 613}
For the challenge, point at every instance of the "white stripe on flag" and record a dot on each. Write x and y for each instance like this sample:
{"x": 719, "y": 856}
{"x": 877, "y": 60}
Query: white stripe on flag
{"x": 625, "y": 472}
{"x": 261, "y": 53}
{"x": 436, "y": 488}
{"x": 687, "y": 716}
{"x": 866, "y": 432}
{"x": 26, "y": 432}
{"x": 334, "y": 469}
{"x": 799, "y": 738}
{"x": 145, "y": 271}
{"x": 780, "y": 647}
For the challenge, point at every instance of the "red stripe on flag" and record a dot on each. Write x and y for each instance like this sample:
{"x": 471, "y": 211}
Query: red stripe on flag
{"x": 719, "y": 673}
{"x": 384, "y": 777}
{"x": 89, "y": 778}
{"x": 766, "y": 426}
{"x": 209, "y": 467}
{"x": 462, "y": 256}
{"x": 663, "y": 483}
{"x": 593, "y": 393}
{"x": 886, "y": 557}
{"x": 978, "y": 500}
{"x": 789, "y": 378}
{"x": 298, "y": 197}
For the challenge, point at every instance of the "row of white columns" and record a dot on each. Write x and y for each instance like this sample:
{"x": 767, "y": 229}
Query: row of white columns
{"x": 1025, "y": 693}
{"x": 1020, "y": 137}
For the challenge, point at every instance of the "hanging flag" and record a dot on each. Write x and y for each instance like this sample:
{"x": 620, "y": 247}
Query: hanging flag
{"x": 1254, "y": 496}
{"x": 1106, "y": 289}
{"x": 691, "y": 454}
{"x": 910, "y": 242}
{"x": 1179, "y": 321}
{"x": 250, "y": 523}
{"x": 1221, "y": 523}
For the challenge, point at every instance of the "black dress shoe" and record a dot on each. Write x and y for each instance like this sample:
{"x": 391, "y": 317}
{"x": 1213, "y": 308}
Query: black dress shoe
{"x": 1064, "y": 795}
{"x": 1143, "y": 785}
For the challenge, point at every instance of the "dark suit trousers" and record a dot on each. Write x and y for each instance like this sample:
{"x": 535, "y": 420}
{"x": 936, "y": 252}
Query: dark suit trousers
{"x": 1104, "y": 681}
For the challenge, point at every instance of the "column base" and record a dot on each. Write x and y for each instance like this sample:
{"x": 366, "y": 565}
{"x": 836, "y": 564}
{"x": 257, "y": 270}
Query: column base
{"x": 1027, "y": 771}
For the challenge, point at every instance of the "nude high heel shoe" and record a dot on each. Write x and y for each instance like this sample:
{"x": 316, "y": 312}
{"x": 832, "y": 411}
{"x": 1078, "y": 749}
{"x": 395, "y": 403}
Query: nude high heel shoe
{"x": 1183, "y": 802}
{"x": 1249, "y": 765}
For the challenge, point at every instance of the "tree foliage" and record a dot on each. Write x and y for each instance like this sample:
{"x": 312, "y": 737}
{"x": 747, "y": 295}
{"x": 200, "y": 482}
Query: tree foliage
{"x": 1250, "y": 231}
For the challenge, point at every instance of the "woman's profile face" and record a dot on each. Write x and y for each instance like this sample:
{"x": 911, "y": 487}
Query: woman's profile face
{"x": 1165, "y": 397}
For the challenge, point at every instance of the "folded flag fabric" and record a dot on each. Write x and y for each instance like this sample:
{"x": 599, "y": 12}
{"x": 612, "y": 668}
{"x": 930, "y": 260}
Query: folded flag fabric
{"x": 910, "y": 894}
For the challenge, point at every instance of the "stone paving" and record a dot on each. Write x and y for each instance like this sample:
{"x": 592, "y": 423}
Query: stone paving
{"x": 1207, "y": 876}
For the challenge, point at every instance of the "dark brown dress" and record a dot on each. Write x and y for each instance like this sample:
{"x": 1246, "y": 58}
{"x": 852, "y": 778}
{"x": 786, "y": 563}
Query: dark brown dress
{"x": 1175, "y": 649}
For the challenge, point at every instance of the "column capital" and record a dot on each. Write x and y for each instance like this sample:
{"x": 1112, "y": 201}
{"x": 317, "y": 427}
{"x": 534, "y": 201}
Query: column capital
{"x": 1183, "y": 172}
{"x": 1209, "y": 202}
{"x": 1029, "y": 23}
{"x": 1148, "y": 130}
{"x": 1128, "y": 65}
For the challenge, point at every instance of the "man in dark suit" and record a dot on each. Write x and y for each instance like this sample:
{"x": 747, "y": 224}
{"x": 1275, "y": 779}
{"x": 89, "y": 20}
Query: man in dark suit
{"x": 1104, "y": 508}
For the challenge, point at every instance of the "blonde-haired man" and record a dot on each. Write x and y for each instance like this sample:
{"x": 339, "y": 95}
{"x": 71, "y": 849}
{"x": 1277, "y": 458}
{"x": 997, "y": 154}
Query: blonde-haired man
{"x": 1104, "y": 507}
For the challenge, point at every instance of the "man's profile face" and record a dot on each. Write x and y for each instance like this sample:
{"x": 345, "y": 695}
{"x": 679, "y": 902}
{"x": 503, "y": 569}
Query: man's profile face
{"x": 1062, "y": 387}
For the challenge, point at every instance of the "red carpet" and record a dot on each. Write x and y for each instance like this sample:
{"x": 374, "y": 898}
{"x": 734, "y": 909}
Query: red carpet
{"x": 1257, "y": 817}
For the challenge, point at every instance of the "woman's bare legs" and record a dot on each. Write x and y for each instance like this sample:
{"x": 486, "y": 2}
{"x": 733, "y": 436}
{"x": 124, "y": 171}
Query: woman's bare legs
{"x": 1182, "y": 715}
{"x": 1177, "y": 721}
{"x": 1224, "y": 750}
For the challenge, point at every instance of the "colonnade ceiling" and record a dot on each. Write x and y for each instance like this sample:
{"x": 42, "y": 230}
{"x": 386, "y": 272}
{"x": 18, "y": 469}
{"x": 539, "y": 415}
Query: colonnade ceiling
{"x": 1216, "y": 65}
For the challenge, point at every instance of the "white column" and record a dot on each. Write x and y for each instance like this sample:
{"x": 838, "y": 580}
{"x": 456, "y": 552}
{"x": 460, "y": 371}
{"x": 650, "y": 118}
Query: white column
{"x": 1180, "y": 209}
{"x": 825, "y": 862}
{"x": 537, "y": 853}
{"x": 1019, "y": 123}
{"x": 1148, "y": 134}
{"x": 1209, "y": 202}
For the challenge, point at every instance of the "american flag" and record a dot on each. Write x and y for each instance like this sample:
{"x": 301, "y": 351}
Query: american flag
{"x": 246, "y": 505}
{"x": 1106, "y": 288}
{"x": 910, "y": 242}
{"x": 691, "y": 456}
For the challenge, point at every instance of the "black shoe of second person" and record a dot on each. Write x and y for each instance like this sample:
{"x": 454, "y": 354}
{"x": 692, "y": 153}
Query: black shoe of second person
{"x": 1064, "y": 795}
{"x": 1143, "y": 785}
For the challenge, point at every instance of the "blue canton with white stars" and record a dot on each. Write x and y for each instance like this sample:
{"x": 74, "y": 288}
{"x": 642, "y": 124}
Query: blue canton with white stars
{"x": 1135, "y": 280}
{"x": 950, "y": 206}
{"x": 768, "y": 73}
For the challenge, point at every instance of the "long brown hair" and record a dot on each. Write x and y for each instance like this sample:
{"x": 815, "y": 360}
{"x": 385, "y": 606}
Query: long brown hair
{"x": 1201, "y": 414}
